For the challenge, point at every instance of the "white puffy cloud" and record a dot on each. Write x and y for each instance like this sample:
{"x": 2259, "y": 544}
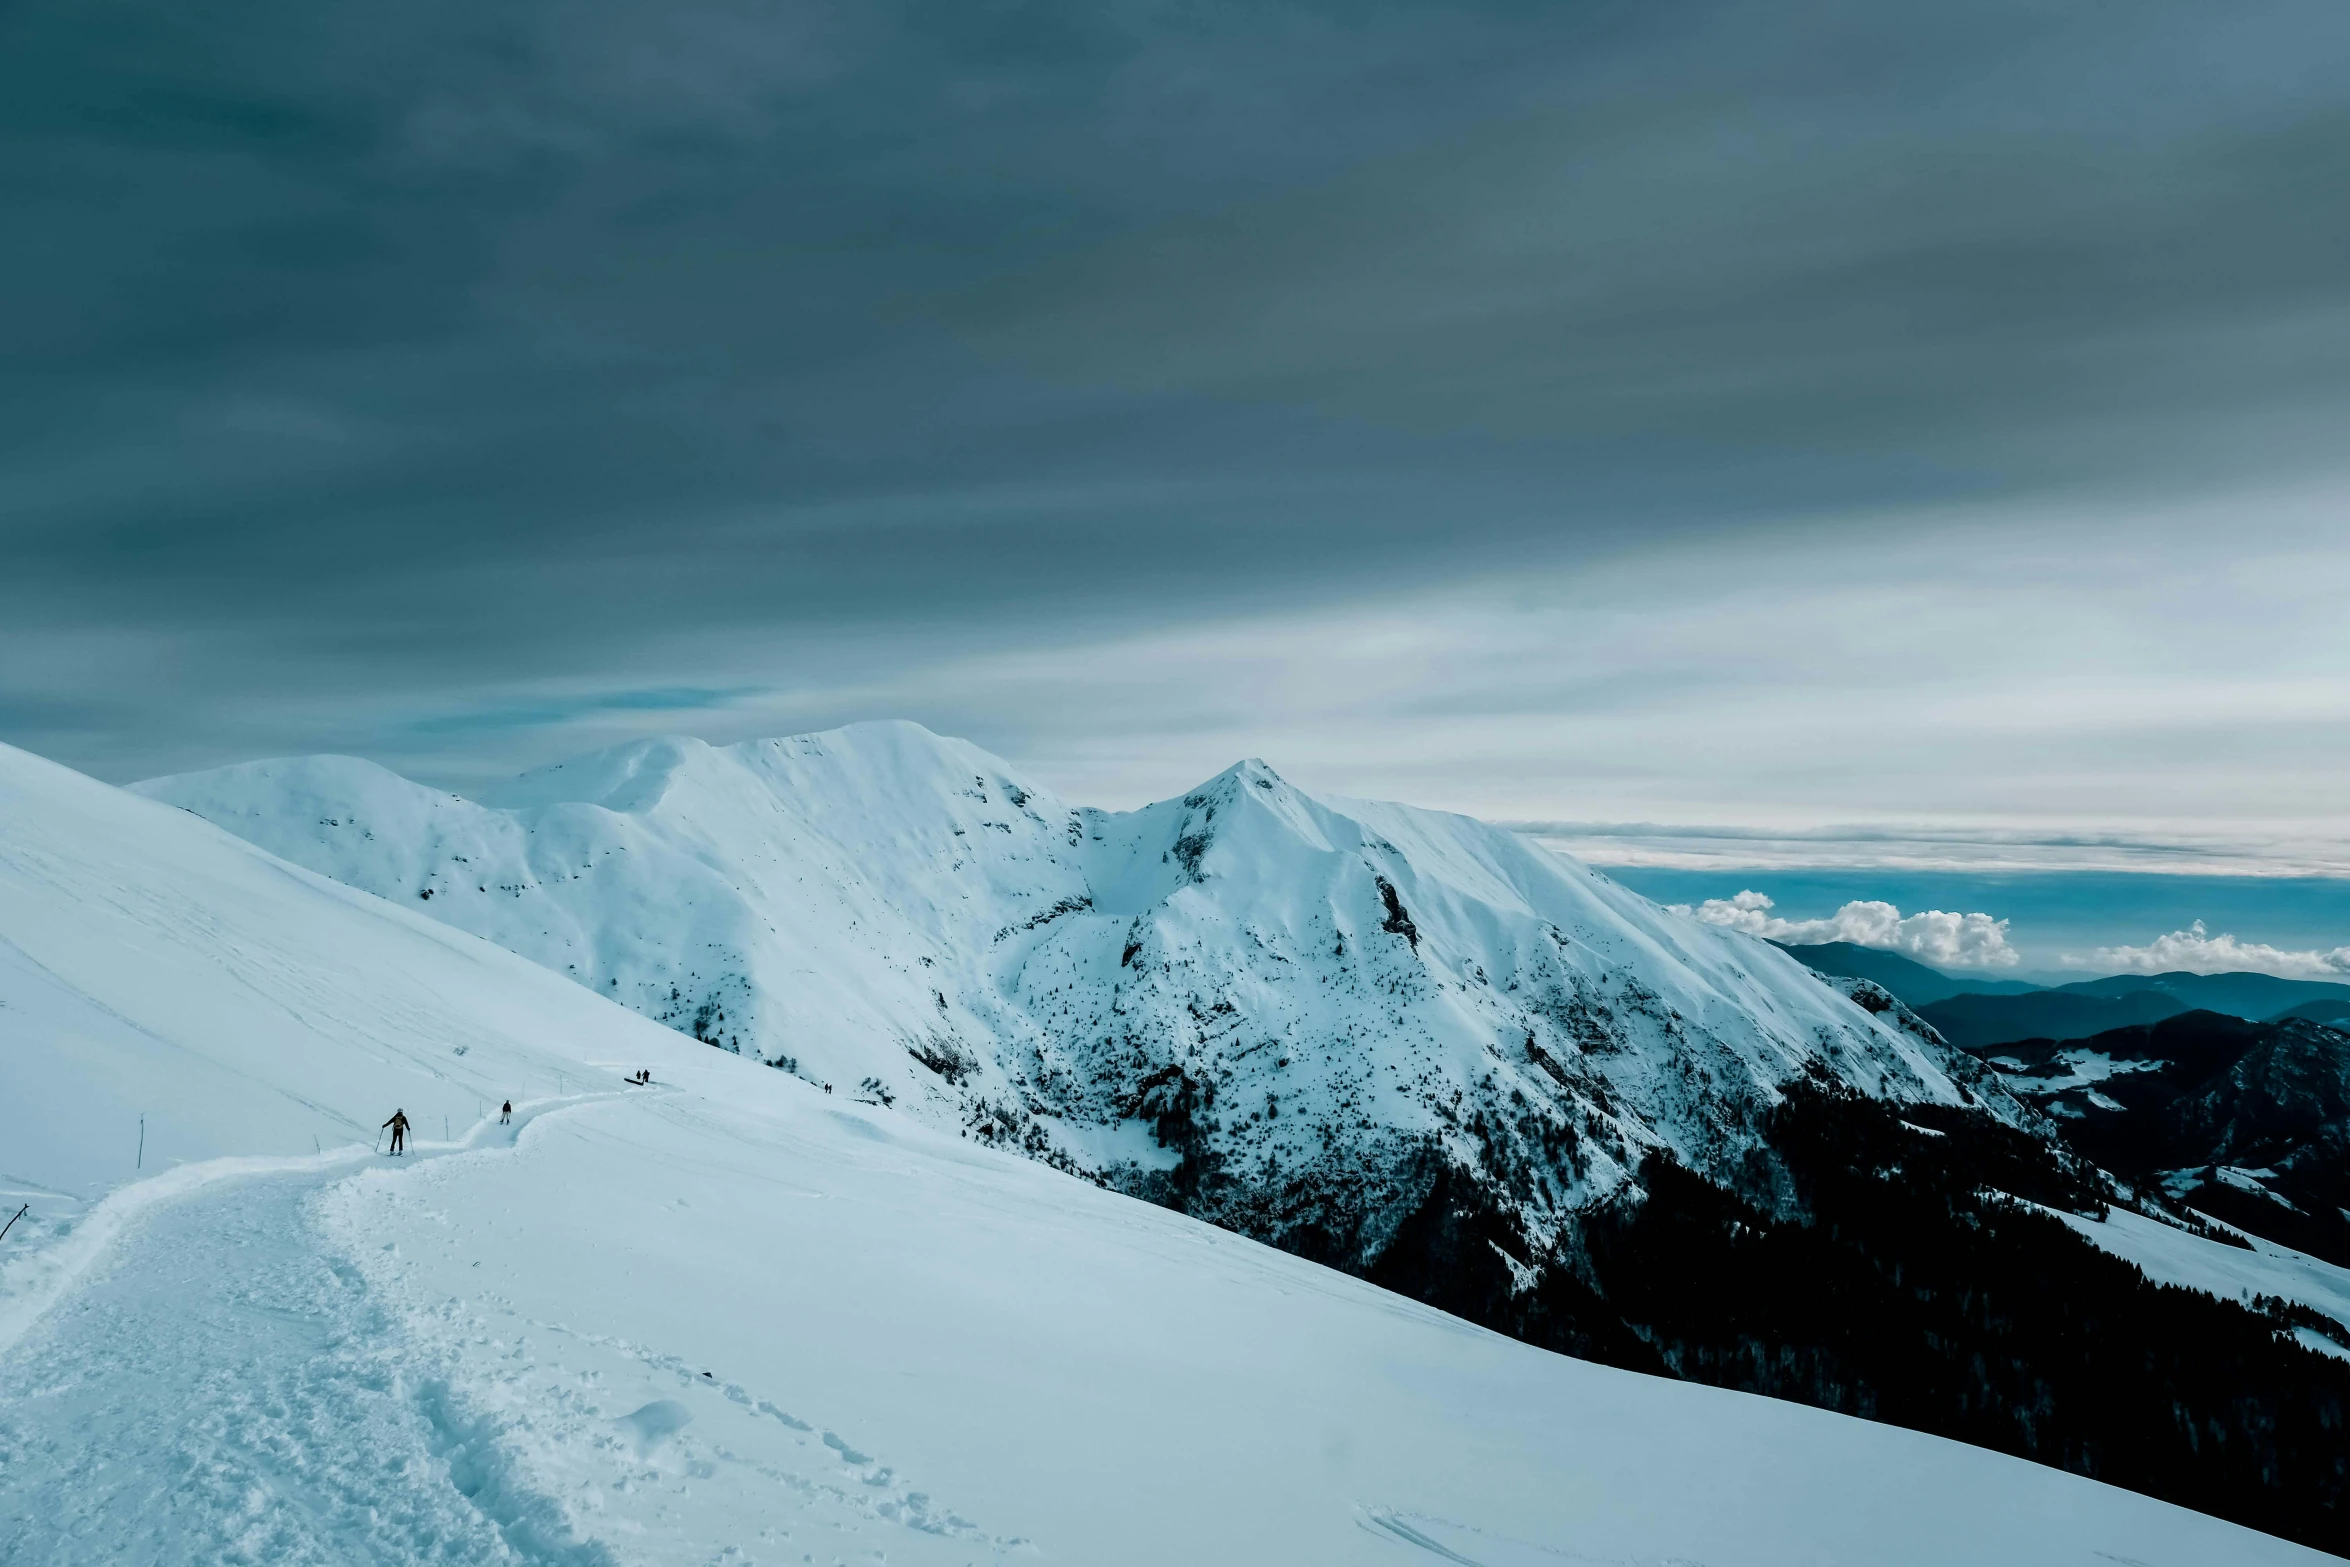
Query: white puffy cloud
{"x": 2199, "y": 952}
{"x": 1933, "y": 936}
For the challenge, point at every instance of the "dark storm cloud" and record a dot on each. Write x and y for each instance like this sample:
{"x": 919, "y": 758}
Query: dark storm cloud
{"x": 364, "y": 363}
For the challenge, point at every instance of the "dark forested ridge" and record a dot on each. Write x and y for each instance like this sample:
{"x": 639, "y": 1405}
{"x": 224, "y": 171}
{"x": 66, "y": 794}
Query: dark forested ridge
{"x": 2336, "y": 1012}
{"x": 1879, "y": 1262}
{"x": 1972, "y": 1011}
{"x": 1912, "y": 981}
{"x": 1973, "y": 1022}
{"x": 2239, "y": 994}
{"x": 2247, "y": 1122}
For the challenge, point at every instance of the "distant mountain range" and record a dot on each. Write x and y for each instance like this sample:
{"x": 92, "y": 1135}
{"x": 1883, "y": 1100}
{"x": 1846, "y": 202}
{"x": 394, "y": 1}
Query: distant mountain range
{"x": 2252, "y": 996}
{"x": 1977, "y": 1022}
{"x": 2225, "y": 1094}
{"x": 2319, "y": 1011}
{"x": 1974, "y": 1013}
{"x": 1912, "y": 981}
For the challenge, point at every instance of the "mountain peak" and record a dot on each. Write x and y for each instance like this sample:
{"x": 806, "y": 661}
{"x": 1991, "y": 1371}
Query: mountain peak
{"x": 1356, "y": 986}
{"x": 629, "y": 777}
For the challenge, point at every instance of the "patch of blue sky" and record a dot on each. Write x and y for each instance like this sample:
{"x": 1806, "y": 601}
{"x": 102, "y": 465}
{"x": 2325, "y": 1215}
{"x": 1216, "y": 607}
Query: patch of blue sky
{"x": 2053, "y": 914}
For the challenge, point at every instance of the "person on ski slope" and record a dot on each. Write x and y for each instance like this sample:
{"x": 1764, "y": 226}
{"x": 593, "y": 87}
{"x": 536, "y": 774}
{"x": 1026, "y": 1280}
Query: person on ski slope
{"x": 399, "y": 1125}
{"x": 506, "y": 1112}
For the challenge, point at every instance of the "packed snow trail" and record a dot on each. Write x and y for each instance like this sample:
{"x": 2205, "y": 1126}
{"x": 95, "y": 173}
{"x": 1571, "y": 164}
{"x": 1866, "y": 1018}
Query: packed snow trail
{"x": 803, "y": 1330}
{"x": 221, "y": 1388}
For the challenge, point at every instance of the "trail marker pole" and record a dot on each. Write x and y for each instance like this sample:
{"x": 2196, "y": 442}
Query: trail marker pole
{"x": 142, "y": 1142}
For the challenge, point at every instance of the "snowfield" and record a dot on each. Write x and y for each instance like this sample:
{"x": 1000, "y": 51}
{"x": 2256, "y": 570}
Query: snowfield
{"x": 2170, "y": 1255}
{"x": 732, "y": 1318}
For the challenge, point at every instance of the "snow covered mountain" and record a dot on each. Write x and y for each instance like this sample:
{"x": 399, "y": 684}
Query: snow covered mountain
{"x": 730, "y": 1318}
{"x": 1287, "y": 1013}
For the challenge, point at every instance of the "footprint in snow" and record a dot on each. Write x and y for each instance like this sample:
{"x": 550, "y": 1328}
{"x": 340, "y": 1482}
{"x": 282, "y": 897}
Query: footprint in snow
{"x": 648, "y": 1428}
{"x": 847, "y": 1453}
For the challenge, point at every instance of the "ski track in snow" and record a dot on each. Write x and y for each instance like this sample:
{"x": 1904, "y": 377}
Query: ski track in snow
{"x": 554, "y": 1392}
{"x": 206, "y": 1376}
{"x": 221, "y": 1388}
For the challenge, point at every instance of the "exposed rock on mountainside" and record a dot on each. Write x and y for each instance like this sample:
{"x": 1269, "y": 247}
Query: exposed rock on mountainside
{"x": 1886, "y": 1008}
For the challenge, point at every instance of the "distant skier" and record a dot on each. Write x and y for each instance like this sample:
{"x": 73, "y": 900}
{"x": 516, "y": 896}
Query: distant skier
{"x": 506, "y": 1112}
{"x": 399, "y": 1125}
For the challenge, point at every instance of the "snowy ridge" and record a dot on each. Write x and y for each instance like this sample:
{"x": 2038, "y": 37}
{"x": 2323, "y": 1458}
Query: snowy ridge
{"x": 733, "y": 1319}
{"x": 1280, "y": 1010}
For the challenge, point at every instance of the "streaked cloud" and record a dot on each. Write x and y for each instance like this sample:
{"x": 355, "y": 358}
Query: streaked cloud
{"x": 1877, "y": 429}
{"x": 1931, "y": 847}
{"x": 571, "y": 711}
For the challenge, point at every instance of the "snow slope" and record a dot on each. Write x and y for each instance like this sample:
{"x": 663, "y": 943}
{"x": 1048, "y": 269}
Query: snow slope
{"x": 2170, "y": 1255}
{"x": 1280, "y": 1010}
{"x": 734, "y": 1319}
{"x": 171, "y": 997}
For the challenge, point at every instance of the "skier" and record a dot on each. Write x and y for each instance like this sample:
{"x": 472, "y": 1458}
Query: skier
{"x": 399, "y": 1125}
{"x": 506, "y": 1112}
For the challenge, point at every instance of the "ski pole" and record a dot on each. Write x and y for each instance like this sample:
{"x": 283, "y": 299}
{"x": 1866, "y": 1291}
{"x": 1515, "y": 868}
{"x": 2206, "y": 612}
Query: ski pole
{"x": 12, "y": 1218}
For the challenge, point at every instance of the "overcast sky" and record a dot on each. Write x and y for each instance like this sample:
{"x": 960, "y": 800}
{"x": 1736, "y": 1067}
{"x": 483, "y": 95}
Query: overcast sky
{"x": 1839, "y": 424}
